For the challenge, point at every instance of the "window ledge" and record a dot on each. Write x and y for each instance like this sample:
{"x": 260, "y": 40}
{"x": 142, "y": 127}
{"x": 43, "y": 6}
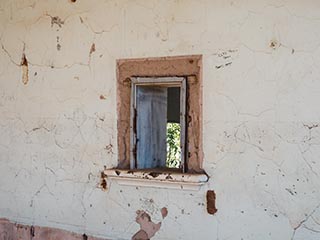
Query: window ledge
{"x": 155, "y": 178}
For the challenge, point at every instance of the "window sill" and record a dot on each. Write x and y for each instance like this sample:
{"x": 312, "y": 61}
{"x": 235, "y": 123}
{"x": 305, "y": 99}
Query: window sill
{"x": 155, "y": 178}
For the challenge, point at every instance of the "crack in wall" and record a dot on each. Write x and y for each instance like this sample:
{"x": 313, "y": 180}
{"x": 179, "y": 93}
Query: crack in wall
{"x": 301, "y": 223}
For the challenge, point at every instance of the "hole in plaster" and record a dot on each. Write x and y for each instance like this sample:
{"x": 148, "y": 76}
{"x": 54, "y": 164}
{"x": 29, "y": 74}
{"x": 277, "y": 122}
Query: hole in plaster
{"x": 103, "y": 182}
{"x": 274, "y": 44}
{"x": 164, "y": 212}
{"x": 92, "y": 49}
{"x": 25, "y": 69}
{"x": 211, "y": 202}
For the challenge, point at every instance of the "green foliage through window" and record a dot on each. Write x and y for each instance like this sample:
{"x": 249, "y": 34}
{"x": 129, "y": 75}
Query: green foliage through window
{"x": 173, "y": 145}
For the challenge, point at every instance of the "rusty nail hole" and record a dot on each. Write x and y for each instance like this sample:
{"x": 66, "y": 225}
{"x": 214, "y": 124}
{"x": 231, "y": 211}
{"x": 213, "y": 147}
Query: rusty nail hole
{"x": 191, "y": 61}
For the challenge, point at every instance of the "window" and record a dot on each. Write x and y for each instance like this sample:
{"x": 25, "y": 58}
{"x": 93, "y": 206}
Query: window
{"x": 159, "y": 123}
{"x": 158, "y": 109}
{"x": 147, "y": 93}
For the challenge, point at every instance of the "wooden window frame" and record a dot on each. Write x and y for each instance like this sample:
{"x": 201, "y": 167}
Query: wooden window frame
{"x": 164, "y": 82}
{"x": 188, "y": 67}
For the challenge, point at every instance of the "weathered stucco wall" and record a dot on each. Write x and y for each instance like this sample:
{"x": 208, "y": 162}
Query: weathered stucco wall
{"x": 261, "y": 139}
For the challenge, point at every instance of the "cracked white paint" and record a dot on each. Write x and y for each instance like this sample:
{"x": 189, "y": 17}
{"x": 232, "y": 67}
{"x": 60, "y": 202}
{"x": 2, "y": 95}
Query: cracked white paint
{"x": 261, "y": 62}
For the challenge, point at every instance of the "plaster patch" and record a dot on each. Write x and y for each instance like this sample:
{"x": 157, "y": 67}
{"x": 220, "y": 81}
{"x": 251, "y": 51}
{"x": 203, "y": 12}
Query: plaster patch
{"x": 211, "y": 202}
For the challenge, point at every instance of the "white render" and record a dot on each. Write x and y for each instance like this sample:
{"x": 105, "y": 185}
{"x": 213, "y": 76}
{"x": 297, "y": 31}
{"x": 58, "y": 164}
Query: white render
{"x": 261, "y": 115}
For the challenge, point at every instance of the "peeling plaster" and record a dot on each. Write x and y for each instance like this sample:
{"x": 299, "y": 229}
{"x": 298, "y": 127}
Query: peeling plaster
{"x": 147, "y": 228}
{"x": 211, "y": 202}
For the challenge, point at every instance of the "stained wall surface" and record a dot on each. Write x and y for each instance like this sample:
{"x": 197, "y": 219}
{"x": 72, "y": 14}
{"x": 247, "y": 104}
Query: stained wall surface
{"x": 261, "y": 94}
